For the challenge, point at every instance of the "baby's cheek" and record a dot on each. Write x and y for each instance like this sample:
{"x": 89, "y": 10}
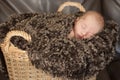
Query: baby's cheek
{"x": 91, "y": 32}
{"x": 78, "y": 30}
{"x": 95, "y": 30}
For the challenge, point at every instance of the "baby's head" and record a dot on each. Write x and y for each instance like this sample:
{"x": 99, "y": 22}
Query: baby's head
{"x": 88, "y": 25}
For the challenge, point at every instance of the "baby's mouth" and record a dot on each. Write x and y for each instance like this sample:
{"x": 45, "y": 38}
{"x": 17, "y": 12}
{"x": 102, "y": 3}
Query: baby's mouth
{"x": 79, "y": 36}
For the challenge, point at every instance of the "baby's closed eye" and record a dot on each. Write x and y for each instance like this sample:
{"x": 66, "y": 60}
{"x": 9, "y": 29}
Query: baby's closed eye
{"x": 84, "y": 26}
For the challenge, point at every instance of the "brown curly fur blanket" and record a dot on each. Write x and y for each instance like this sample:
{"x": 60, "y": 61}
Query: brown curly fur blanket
{"x": 51, "y": 50}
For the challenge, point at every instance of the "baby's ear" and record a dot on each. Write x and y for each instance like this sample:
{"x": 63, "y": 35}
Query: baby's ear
{"x": 3, "y": 31}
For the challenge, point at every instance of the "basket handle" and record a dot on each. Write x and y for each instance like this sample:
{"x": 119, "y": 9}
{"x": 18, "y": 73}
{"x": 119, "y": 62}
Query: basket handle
{"x": 7, "y": 44}
{"x": 76, "y": 4}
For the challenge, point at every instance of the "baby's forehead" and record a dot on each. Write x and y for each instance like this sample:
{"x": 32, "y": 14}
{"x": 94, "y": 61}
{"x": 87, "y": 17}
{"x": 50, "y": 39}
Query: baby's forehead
{"x": 90, "y": 18}
{"x": 92, "y": 14}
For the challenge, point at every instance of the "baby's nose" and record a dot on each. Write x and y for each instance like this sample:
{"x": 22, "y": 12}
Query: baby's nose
{"x": 83, "y": 33}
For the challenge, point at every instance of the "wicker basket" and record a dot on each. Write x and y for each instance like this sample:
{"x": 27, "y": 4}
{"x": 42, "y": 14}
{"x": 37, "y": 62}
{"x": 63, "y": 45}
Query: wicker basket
{"x": 18, "y": 65}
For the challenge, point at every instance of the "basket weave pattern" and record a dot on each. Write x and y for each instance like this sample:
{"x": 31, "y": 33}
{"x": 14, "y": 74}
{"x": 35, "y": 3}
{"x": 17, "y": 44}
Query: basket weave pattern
{"x": 18, "y": 65}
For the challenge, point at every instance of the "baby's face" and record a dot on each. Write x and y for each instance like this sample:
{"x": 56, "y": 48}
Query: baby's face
{"x": 86, "y": 27}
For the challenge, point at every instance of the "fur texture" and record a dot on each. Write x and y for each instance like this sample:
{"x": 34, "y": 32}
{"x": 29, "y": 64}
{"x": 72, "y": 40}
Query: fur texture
{"x": 51, "y": 50}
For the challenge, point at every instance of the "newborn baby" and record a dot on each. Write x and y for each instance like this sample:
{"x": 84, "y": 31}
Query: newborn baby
{"x": 52, "y": 51}
{"x": 87, "y": 25}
